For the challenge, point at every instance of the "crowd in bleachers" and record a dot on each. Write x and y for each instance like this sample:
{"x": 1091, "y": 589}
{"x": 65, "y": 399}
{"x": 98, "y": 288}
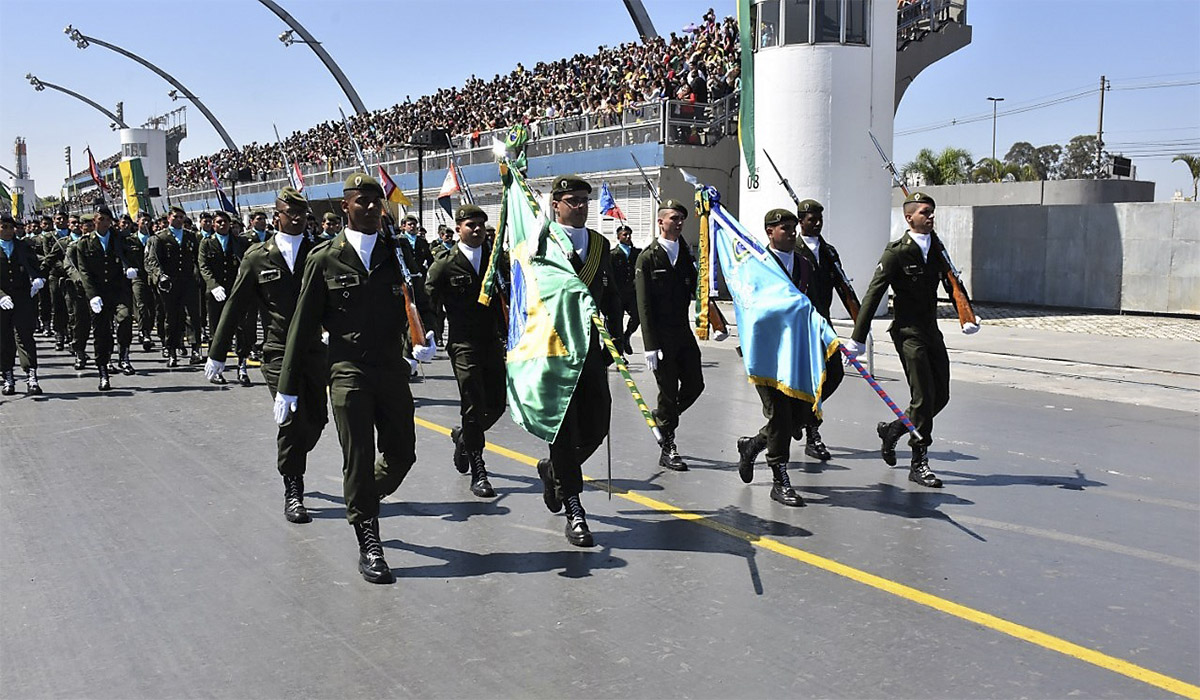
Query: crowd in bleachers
{"x": 699, "y": 64}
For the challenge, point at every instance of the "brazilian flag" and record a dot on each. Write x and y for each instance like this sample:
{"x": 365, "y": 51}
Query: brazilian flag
{"x": 549, "y": 313}
{"x": 134, "y": 185}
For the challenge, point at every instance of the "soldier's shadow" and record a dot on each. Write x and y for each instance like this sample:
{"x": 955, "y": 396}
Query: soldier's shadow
{"x": 891, "y": 500}
{"x": 455, "y": 563}
{"x": 75, "y": 395}
{"x": 1079, "y": 482}
{"x": 451, "y": 511}
{"x": 904, "y": 454}
{"x": 423, "y": 402}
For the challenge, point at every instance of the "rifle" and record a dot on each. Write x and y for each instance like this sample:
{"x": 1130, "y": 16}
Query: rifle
{"x": 954, "y": 284}
{"x": 841, "y": 283}
{"x": 416, "y": 328}
{"x": 716, "y": 319}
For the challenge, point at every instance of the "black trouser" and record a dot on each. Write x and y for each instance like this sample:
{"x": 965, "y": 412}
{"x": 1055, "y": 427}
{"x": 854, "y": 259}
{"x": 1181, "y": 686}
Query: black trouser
{"x": 628, "y": 306}
{"x": 58, "y": 304}
{"x": 584, "y": 425}
{"x": 113, "y": 309}
{"x": 786, "y": 418}
{"x": 176, "y": 303}
{"x": 145, "y": 305}
{"x": 299, "y": 436}
{"x": 16, "y": 335}
{"x": 45, "y": 308}
{"x": 243, "y": 338}
{"x": 370, "y": 403}
{"x": 834, "y": 374}
{"x": 479, "y": 369}
{"x": 680, "y": 381}
{"x": 927, "y": 368}
{"x": 78, "y": 315}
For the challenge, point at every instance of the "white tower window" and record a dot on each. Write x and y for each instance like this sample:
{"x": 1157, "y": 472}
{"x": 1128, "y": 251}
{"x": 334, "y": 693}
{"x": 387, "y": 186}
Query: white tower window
{"x": 811, "y": 22}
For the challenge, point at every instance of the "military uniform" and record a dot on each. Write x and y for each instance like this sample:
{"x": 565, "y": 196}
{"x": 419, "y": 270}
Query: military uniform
{"x": 665, "y": 292}
{"x": 171, "y": 264}
{"x": 264, "y": 280}
{"x": 218, "y": 265}
{"x": 362, "y": 307}
{"x": 476, "y": 349}
{"x": 45, "y": 302}
{"x": 18, "y": 269}
{"x": 914, "y": 279}
{"x": 623, "y": 264}
{"x": 145, "y": 297}
{"x": 253, "y": 237}
{"x": 101, "y": 272}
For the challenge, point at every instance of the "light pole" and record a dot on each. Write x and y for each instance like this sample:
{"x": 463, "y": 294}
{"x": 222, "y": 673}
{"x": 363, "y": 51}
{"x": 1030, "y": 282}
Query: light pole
{"x": 306, "y": 38}
{"x": 82, "y": 41}
{"x": 994, "y": 101}
{"x": 41, "y": 85}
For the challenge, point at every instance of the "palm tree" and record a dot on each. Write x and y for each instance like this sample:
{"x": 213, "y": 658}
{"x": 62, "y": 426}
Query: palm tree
{"x": 950, "y": 167}
{"x": 996, "y": 170}
{"x": 1193, "y": 163}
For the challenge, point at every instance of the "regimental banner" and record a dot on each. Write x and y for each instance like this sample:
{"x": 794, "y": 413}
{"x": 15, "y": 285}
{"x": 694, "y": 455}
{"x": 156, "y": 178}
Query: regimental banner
{"x": 134, "y": 186}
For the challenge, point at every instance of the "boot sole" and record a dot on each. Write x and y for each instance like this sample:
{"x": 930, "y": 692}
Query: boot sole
{"x": 300, "y": 519}
{"x": 932, "y": 485}
{"x": 370, "y": 577}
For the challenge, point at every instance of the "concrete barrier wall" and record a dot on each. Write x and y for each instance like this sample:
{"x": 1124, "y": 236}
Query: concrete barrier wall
{"x": 1037, "y": 192}
{"x": 1130, "y": 256}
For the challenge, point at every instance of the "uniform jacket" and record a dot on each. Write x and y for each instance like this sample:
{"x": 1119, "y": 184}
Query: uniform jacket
{"x": 54, "y": 253}
{"x": 603, "y": 288}
{"x": 18, "y": 272}
{"x": 101, "y": 273}
{"x": 250, "y": 236}
{"x": 914, "y": 285}
{"x": 822, "y": 273}
{"x": 165, "y": 255}
{"x": 263, "y": 282}
{"x": 219, "y": 266}
{"x": 664, "y": 294}
{"x": 454, "y": 284}
{"x": 623, "y": 267}
{"x": 420, "y": 258}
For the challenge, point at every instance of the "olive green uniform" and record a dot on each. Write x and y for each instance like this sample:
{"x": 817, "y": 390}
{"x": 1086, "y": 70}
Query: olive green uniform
{"x": 219, "y": 267}
{"x": 363, "y": 311}
{"x": 624, "y": 265}
{"x": 664, "y": 300}
{"x": 16, "y": 324}
{"x": 914, "y": 329}
{"x": 476, "y": 341}
{"x": 101, "y": 273}
{"x": 176, "y": 261}
{"x": 264, "y": 281}
{"x": 822, "y": 273}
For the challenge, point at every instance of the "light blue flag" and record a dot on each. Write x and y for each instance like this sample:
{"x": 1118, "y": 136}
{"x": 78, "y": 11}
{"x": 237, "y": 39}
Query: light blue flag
{"x": 785, "y": 342}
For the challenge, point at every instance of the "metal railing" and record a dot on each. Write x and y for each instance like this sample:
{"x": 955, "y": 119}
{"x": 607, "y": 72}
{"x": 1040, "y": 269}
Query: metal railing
{"x": 918, "y": 18}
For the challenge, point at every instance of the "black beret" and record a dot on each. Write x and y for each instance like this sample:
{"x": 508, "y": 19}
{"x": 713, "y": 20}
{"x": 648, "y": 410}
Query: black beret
{"x": 674, "y": 205}
{"x": 205, "y": 215}
{"x": 222, "y": 214}
{"x": 362, "y": 181}
{"x": 920, "y": 198}
{"x": 624, "y": 227}
{"x": 7, "y": 219}
{"x": 105, "y": 211}
{"x": 290, "y": 195}
{"x": 331, "y": 218}
{"x": 410, "y": 217}
{"x": 177, "y": 209}
{"x": 809, "y": 206}
{"x": 776, "y": 216}
{"x": 569, "y": 183}
{"x": 469, "y": 211}
{"x": 87, "y": 218}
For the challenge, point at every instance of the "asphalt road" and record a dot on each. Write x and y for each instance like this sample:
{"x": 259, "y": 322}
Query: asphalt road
{"x": 145, "y": 555}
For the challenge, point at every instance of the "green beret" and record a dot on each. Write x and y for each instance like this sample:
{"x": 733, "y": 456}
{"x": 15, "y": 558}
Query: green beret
{"x": 331, "y": 218}
{"x": 920, "y": 198}
{"x": 205, "y": 215}
{"x": 410, "y": 217}
{"x": 569, "y": 183}
{"x": 177, "y": 209}
{"x": 363, "y": 182}
{"x": 673, "y": 204}
{"x": 776, "y": 216}
{"x": 7, "y": 219}
{"x": 809, "y": 206}
{"x": 222, "y": 214}
{"x": 469, "y": 211}
{"x": 291, "y": 195}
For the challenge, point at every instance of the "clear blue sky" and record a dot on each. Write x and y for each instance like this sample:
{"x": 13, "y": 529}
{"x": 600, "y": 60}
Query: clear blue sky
{"x": 226, "y": 51}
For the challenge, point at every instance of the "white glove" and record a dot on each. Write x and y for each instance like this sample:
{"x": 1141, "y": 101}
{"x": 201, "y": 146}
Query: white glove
{"x": 424, "y": 353}
{"x": 718, "y": 336}
{"x": 853, "y": 348}
{"x": 970, "y": 328}
{"x": 131, "y": 273}
{"x": 36, "y": 286}
{"x": 652, "y": 358}
{"x": 218, "y": 293}
{"x": 325, "y": 337}
{"x": 96, "y": 303}
{"x": 285, "y": 406}
{"x": 6, "y": 303}
{"x": 213, "y": 368}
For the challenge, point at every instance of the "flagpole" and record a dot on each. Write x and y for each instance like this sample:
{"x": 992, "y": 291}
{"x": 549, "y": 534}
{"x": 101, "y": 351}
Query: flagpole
{"x": 882, "y": 394}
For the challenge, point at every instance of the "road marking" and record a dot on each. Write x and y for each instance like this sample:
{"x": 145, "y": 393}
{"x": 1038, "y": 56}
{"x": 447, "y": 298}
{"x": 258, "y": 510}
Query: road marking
{"x": 1012, "y": 629}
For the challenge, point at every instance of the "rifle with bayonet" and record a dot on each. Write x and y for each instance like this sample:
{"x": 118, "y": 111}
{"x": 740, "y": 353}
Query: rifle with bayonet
{"x": 841, "y": 283}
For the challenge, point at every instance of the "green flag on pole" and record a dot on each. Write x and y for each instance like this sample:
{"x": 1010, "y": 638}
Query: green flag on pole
{"x": 746, "y": 104}
{"x": 550, "y": 311}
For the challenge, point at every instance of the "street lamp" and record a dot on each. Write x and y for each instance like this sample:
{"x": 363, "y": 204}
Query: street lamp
{"x": 288, "y": 38}
{"x": 994, "y": 100}
{"x": 83, "y": 41}
{"x": 41, "y": 85}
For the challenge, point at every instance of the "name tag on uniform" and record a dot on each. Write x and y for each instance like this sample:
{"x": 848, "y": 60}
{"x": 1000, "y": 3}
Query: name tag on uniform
{"x": 460, "y": 280}
{"x": 913, "y": 270}
{"x": 658, "y": 274}
{"x": 269, "y": 275}
{"x": 344, "y": 281}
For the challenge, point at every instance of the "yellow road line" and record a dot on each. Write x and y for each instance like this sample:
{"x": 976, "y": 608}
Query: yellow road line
{"x": 1012, "y": 629}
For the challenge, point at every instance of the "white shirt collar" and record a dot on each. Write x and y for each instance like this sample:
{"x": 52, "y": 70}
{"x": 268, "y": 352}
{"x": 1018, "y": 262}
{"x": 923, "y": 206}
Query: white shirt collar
{"x": 814, "y": 244}
{"x": 579, "y": 240}
{"x": 363, "y": 244}
{"x": 788, "y": 259}
{"x": 474, "y": 255}
{"x": 923, "y": 240}
{"x": 672, "y": 248}
{"x": 288, "y": 247}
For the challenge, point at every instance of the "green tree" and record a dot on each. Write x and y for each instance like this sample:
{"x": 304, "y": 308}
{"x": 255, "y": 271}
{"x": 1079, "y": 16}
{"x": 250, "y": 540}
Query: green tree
{"x": 1192, "y": 161}
{"x": 1079, "y": 159}
{"x": 949, "y": 167}
{"x": 1043, "y": 159}
{"x": 996, "y": 170}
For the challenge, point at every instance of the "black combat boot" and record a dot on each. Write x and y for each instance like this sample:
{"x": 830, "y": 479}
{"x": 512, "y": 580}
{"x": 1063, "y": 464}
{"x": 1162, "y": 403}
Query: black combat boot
{"x": 669, "y": 457}
{"x": 813, "y": 446}
{"x": 371, "y": 563}
{"x": 480, "y": 486}
{"x": 293, "y": 500}
{"x": 104, "y": 384}
{"x": 60, "y": 342}
{"x": 782, "y": 490}
{"x": 172, "y": 358}
{"x": 748, "y": 450}
{"x": 32, "y": 388}
{"x": 461, "y": 463}
{"x": 577, "y": 530}
{"x": 124, "y": 364}
{"x": 81, "y": 360}
{"x": 549, "y": 495}
{"x": 197, "y": 358}
{"x": 147, "y": 344}
{"x": 243, "y": 372}
{"x": 890, "y": 434}
{"x": 919, "y": 471}
{"x": 10, "y": 383}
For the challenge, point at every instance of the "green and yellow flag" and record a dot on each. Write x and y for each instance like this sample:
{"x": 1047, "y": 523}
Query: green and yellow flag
{"x": 133, "y": 184}
{"x": 6, "y": 200}
{"x": 746, "y": 101}
{"x": 550, "y": 311}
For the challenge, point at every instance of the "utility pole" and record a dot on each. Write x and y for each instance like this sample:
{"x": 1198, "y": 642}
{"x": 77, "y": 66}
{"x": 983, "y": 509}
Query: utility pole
{"x": 1100, "y": 129}
{"x": 995, "y": 101}
{"x": 70, "y": 173}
